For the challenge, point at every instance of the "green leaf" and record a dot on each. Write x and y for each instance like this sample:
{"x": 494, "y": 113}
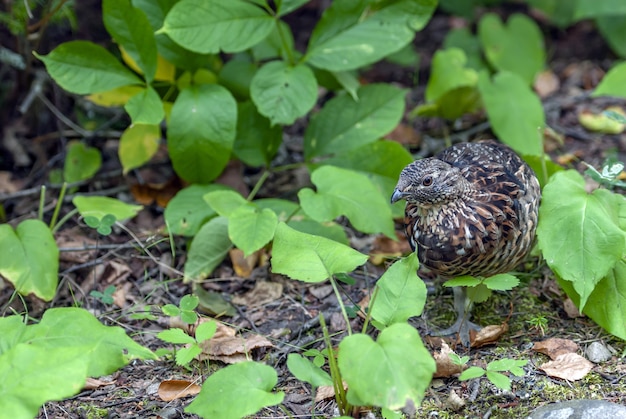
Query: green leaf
{"x": 188, "y": 210}
{"x": 579, "y": 233}
{"x": 176, "y": 336}
{"x": 288, "y": 6}
{"x": 278, "y": 44}
{"x": 83, "y": 67}
{"x": 188, "y": 302}
{"x": 305, "y": 370}
{"x": 345, "y": 192}
{"x": 206, "y": 330}
{"x": 131, "y": 29}
{"x": 516, "y": 47}
{"x": 283, "y": 93}
{"x": 401, "y": 293}
{"x": 561, "y": 13}
{"x": 520, "y": 122}
{"x": 236, "y": 76}
{"x": 613, "y": 83}
{"x": 207, "y": 250}
{"x": 211, "y": 26}
{"x": 201, "y": 132}
{"x": 352, "y": 34}
{"x": 250, "y": 229}
{"x": 471, "y": 372}
{"x": 30, "y": 258}
{"x": 593, "y": 8}
{"x": 448, "y": 72}
{"x": 225, "y": 202}
{"x": 145, "y": 107}
{"x": 257, "y": 140}
{"x": 606, "y": 304}
{"x": 464, "y": 39}
{"x": 330, "y": 230}
{"x": 499, "y": 380}
{"x": 81, "y": 162}
{"x": 311, "y": 258}
{"x": 185, "y": 355}
{"x": 138, "y": 144}
{"x": 345, "y": 124}
{"x": 506, "y": 364}
{"x": 462, "y": 281}
{"x": 501, "y": 282}
{"x": 100, "y": 206}
{"x": 170, "y": 310}
{"x": 249, "y": 383}
{"x": 390, "y": 372}
{"x": 613, "y": 30}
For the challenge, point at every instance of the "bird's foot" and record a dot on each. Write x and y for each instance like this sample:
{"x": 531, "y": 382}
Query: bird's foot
{"x": 460, "y": 330}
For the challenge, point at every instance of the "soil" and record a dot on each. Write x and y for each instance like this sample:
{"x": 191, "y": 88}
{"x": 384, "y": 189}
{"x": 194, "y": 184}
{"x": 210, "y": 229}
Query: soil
{"x": 533, "y": 311}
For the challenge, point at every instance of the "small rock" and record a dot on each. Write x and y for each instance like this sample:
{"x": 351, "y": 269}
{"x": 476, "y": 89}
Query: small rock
{"x": 580, "y": 409}
{"x": 596, "y": 352}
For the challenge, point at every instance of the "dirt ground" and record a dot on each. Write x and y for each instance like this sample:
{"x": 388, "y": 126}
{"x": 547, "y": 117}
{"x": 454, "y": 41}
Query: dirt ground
{"x": 578, "y": 57}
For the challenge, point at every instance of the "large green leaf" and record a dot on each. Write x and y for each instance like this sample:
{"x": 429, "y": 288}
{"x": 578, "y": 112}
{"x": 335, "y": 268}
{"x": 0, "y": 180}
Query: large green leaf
{"x": 345, "y": 192}
{"x": 201, "y": 132}
{"x": 145, "y": 107}
{"x": 251, "y": 228}
{"x": 401, "y": 293}
{"x": 83, "y": 67}
{"x": 188, "y": 210}
{"x": 613, "y": 83}
{"x": 560, "y": 12}
{"x": 257, "y": 141}
{"x": 613, "y": 29}
{"x": 594, "y": 8}
{"x": 465, "y": 40}
{"x": 99, "y": 206}
{"x": 30, "y": 258}
{"x": 520, "y": 122}
{"x": 283, "y": 93}
{"x": 311, "y": 258}
{"x": 138, "y": 144}
{"x": 208, "y": 249}
{"x": 130, "y": 28}
{"x": 344, "y": 123}
{"x": 579, "y": 233}
{"x": 248, "y": 386}
{"x": 211, "y": 26}
{"x": 81, "y": 162}
{"x": 516, "y": 47}
{"x": 352, "y": 33}
{"x": 391, "y": 372}
{"x": 305, "y": 370}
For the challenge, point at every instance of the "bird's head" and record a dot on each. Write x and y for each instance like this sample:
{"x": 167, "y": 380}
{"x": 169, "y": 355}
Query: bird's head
{"x": 430, "y": 182}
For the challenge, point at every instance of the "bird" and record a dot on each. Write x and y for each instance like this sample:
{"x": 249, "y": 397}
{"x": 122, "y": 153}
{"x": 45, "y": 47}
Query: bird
{"x": 471, "y": 209}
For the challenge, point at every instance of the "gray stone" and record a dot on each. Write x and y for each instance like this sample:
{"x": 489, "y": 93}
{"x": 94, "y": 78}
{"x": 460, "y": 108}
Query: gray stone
{"x": 580, "y": 409}
{"x": 596, "y": 352}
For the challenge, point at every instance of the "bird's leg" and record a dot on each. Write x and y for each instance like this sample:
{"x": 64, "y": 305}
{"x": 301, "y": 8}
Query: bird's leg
{"x": 462, "y": 325}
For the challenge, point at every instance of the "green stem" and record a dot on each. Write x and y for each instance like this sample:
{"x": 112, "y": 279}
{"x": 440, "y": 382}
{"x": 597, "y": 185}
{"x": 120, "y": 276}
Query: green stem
{"x": 64, "y": 220}
{"x": 341, "y": 305}
{"x": 368, "y": 315}
{"x": 57, "y": 208}
{"x": 258, "y": 185}
{"x": 283, "y": 42}
{"x": 340, "y": 392}
{"x": 42, "y": 198}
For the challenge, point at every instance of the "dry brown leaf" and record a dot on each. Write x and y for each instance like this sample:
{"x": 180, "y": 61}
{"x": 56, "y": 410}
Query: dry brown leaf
{"x": 263, "y": 292}
{"x": 488, "y": 335}
{"x": 363, "y": 306}
{"x": 177, "y": 389}
{"x": 161, "y": 191}
{"x": 546, "y": 83}
{"x": 571, "y": 310}
{"x": 94, "y": 383}
{"x": 6, "y": 184}
{"x": 230, "y": 348}
{"x": 327, "y": 392}
{"x": 73, "y": 238}
{"x": 569, "y": 366}
{"x": 383, "y": 248}
{"x": 553, "y": 347}
{"x": 243, "y": 266}
{"x": 445, "y": 366}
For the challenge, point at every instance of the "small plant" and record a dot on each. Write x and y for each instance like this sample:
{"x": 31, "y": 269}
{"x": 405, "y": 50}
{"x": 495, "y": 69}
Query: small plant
{"x": 184, "y": 356}
{"x": 105, "y": 297}
{"x": 103, "y": 225}
{"x": 185, "y": 309}
{"x": 539, "y": 322}
{"x": 493, "y": 372}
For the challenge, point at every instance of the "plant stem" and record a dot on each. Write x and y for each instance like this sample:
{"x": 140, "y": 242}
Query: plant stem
{"x": 42, "y": 198}
{"x": 341, "y": 305}
{"x": 368, "y": 315}
{"x": 258, "y": 185}
{"x": 340, "y": 392}
{"x": 64, "y": 220}
{"x": 57, "y": 207}
{"x": 283, "y": 42}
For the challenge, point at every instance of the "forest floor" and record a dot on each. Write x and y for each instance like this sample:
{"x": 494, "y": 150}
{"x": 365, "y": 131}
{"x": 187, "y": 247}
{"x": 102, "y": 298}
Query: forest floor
{"x": 284, "y": 311}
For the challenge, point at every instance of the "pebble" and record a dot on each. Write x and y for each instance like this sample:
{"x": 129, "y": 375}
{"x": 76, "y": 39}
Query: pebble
{"x": 580, "y": 409}
{"x": 596, "y": 352}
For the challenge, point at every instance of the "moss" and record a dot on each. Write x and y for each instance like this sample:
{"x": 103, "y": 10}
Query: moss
{"x": 91, "y": 411}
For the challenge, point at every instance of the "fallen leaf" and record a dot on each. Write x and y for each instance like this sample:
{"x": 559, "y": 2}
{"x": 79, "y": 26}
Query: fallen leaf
{"x": 94, "y": 383}
{"x": 571, "y": 310}
{"x": 73, "y": 241}
{"x": 454, "y": 402}
{"x": 384, "y": 248}
{"x": 327, "y": 392}
{"x": 7, "y": 185}
{"x": 229, "y": 347}
{"x": 177, "y": 389}
{"x": 363, "y": 306}
{"x": 601, "y": 123}
{"x": 445, "y": 366}
{"x": 157, "y": 189}
{"x": 263, "y": 292}
{"x": 546, "y": 83}
{"x": 488, "y": 335}
{"x": 553, "y": 347}
{"x": 243, "y": 266}
{"x": 568, "y": 366}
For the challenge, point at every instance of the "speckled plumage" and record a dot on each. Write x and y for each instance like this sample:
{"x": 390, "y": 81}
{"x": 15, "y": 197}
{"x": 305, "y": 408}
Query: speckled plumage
{"x": 471, "y": 209}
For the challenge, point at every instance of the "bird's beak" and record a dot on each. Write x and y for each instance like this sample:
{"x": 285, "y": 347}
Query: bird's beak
{"x": 397, "y": 195}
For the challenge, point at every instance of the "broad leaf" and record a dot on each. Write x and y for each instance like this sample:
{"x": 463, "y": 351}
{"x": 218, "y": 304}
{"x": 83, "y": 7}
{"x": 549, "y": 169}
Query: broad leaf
{"x": 257, "y": 141}
{"x": 211, "y": 26}
{"x": 188, "y": 210}
{"x": 345, "y": 192}
{"x": 30, "y": 258}
{"x": 465, "y": 40}
{"x": 344, "y": 123}
{"x": 305, "y": 370}
{"x": 138, "y": 144}
{"x": 145, "y": 107}
{"x": 83, "y": 67}
{"x": 579, "y": 233}
{"x": 352, "y": 34}
{"x": 81, "y": 162}
{"x": 250, "y": 228}
{"x": 225, "y": 202}
{"x": 250, "y": 384}
{"x": 100, "y": 206}
{"x": 201, "y": 132}
{"x": 283, "y": 93}
{"x": 311, "y": 258}
{"x": 516, "y": 47}
{"x": 391, "y": 372}
{"x": 208, "y": 249}
{"x": 613, "y": 30}
{"x": 613, "y": 83}
{"x": 131, "y": 29}
{"x": 594, "y": 8}
{"x": 501, "y": 282}
{"x": 401, "y": 293}
{"x": 518, "y": 123}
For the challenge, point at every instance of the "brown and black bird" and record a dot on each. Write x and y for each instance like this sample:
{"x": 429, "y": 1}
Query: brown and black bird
{"x": 470, "y": 210}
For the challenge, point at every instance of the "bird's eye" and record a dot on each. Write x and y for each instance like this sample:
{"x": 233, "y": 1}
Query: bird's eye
{"x": 427, "y": 181}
